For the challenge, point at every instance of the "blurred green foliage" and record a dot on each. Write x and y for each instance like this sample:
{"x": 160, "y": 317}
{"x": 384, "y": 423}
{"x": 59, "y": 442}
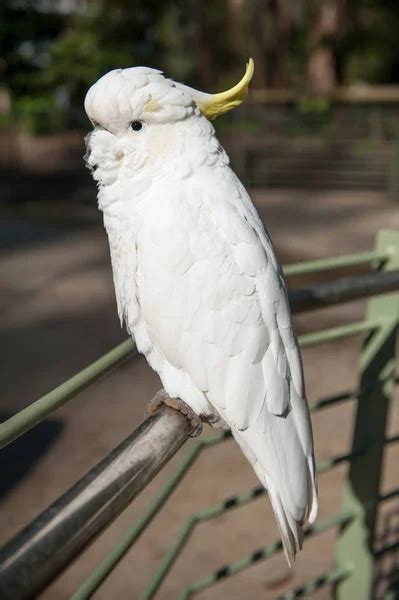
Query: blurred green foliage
{"x": 49, "y": 58}
{"x": 372, "y": 42}
{"x": 38, "y": 115}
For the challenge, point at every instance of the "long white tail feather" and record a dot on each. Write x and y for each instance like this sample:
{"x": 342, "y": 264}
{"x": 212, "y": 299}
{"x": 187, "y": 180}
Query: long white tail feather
{"x": 291, "y": 530}
{"x": 290, "y": 536}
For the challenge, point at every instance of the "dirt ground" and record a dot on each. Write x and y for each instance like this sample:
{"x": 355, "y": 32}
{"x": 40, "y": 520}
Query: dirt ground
{"x": 58, "y": 314}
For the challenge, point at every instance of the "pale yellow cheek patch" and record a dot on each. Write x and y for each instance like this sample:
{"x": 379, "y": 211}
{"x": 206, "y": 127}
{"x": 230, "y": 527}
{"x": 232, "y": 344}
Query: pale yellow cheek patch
{"x": 151, "y": 106}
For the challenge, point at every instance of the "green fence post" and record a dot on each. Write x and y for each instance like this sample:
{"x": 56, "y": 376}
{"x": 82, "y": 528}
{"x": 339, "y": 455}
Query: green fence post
{"x": 356, "y": 538}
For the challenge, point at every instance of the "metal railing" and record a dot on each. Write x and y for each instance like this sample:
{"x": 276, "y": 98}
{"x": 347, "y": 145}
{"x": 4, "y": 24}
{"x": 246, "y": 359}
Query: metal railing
{"x": 333, "y": 146}
{"x": 32, "y": 559}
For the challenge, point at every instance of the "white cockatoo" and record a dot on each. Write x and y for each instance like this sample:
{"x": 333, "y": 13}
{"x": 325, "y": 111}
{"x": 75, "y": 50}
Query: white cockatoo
{"x": 196, "y": 278}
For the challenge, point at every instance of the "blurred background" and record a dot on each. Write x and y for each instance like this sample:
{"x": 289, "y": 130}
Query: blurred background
{"x": 316, "y": 142}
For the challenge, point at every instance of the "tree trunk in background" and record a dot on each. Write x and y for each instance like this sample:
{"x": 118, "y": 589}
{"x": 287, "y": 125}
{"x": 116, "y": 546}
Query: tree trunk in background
{"x": 283, "y": 26}
{"x": 247, "y": 35}
{"x": 203, "y": 48}
{"x": 329, "y": 26}
{"x": 257, "y": 40}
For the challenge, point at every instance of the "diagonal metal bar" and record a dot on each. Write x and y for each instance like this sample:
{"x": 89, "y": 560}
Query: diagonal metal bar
{"x": 261, "y": 554}
{"x": 389, "y": 495}
{"x": 187, "y": 529}
{"x": 335, "y": 262}
{"x": 336, "y": 333}
{"x": 35, "y": 556}
{"x": 118, "y": 552}
{"x": 386, "y": 549}
{"x": 342, "y": 290}
{"x": 328, "y": 401}
{"x": 211, "y": 512}
{"x": 393, "y": 439}
{"x": 316, "y": 584}
{"x": 33, "y": 414}
{"x": 219, "y": 508}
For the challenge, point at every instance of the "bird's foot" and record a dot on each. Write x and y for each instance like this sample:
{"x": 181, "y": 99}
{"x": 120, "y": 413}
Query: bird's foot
{"x": 177, "y": 404}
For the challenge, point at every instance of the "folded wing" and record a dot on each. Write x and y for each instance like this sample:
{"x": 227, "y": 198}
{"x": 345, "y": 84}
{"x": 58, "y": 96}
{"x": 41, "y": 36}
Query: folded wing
{"x": 222, "y": 319}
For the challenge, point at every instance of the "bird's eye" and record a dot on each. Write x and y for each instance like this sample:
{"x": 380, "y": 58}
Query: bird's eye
{"x": 136, "y": 126}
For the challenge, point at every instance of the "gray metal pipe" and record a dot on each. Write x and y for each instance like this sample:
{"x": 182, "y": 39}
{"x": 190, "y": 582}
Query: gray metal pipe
{"x": 33, "y": 558}
{"x": 347, "y": 289}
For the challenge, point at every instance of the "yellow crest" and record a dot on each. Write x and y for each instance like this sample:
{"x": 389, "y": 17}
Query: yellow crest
{"x": 215, "y": 105}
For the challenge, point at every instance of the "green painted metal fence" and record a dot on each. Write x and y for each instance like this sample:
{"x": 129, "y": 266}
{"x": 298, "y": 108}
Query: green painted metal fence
{"x": 352, "y": 574}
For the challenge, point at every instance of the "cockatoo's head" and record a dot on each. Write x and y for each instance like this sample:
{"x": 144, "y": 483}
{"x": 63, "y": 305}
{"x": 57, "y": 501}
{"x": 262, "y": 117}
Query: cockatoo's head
{"x": 145, "y": 124}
